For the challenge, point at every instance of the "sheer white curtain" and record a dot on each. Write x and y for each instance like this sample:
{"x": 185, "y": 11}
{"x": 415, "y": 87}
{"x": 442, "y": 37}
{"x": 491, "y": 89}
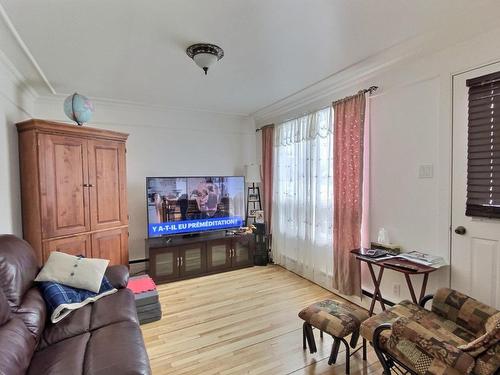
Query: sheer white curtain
{"x": 303, "y": 196}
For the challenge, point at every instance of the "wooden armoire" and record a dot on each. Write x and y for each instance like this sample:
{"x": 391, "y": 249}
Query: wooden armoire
{"x": 73, "y": 190}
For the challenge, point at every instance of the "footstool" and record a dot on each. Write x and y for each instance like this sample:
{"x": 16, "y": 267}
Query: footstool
{"x": 338, "y": 319}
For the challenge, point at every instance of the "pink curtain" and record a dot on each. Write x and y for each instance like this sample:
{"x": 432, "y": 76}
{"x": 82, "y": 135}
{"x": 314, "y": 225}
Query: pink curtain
{"x": 365, "y": 215}
{"x": 267, "y": 173}
{"x": 348, "y": 186}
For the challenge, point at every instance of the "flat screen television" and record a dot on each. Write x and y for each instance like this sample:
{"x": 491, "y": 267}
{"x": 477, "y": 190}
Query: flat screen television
{"x": 184, "y": 205}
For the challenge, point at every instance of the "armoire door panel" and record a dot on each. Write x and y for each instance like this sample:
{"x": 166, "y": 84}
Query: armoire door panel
{"x": 107, "y": 184}
{"x": 63, "y": 176}
{"x": 75, "y": 245}
{"x": 111, "y": 244}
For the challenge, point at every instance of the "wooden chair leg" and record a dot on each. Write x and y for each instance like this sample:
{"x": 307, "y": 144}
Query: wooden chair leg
{"x": 335, "y": 351}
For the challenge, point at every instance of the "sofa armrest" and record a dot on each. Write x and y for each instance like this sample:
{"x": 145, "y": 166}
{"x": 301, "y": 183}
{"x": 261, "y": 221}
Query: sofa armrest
{"x": 117, "y": 276}
{"x": 404, "y": 329}
{"x": 377, "y": 336}
{"x": 462, "y": 310}
{"x": 425, "y": 299}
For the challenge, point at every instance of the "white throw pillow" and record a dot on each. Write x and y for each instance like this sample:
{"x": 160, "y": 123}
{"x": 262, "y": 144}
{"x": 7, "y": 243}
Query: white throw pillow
{"x": 73, "y": 271}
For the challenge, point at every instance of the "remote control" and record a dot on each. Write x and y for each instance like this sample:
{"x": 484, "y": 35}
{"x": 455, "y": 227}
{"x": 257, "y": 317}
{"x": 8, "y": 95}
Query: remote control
{"x": 404, "y": 267}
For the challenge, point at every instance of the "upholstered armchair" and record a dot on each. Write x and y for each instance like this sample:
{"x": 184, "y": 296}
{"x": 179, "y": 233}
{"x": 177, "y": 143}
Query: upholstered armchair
{"x": 459, "y": 335}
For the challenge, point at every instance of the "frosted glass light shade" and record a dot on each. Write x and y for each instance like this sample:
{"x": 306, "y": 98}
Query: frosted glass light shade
{"x": 205, "y": 60}
{"x": 252, "y": 173}
{"x": 205, "y": 55}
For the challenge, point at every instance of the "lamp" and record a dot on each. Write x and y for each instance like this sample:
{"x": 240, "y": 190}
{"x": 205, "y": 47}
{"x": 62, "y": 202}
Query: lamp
{"x": 252, "y": 173}
{"x": 205, "y": 55}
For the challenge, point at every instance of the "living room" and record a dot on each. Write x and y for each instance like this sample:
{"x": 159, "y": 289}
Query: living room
{"x": 319, "y": 127}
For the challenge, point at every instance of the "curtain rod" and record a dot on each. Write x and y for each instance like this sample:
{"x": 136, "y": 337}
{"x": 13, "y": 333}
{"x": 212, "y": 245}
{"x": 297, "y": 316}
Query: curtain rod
{"x": 369, "y": 90}
{"x": 265, "y": 126}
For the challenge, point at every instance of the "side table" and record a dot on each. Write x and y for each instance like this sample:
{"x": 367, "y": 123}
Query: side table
{"x": 417, "y": 269}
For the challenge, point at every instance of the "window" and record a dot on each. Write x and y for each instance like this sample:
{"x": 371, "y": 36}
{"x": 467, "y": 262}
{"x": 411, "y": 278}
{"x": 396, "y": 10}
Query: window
{"x": 303, "y": 196}
{"x": 483, "y": 151}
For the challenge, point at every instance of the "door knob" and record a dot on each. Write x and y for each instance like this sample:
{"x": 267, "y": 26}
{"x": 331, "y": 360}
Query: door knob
{"x": 460, "y": 230}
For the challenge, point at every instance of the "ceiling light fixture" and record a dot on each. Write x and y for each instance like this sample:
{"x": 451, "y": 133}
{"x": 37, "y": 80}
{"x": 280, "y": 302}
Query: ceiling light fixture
{"x": 205, "y": 55}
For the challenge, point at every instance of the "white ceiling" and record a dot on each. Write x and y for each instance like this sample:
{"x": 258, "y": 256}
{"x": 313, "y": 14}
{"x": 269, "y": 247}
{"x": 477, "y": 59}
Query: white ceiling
{"x": 135, "y": 50}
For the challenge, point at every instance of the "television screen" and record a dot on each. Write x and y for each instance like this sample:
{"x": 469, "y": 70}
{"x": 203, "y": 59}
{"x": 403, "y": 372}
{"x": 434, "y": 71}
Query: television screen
{"x": 180, "y": 205}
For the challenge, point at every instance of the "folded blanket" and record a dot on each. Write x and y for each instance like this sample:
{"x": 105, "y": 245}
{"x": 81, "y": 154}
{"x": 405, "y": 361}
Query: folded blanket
{"x": 62, "y": 300}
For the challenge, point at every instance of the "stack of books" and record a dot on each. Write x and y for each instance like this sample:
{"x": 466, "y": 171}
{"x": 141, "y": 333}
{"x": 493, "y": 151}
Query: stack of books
{"x": 146, "y": 298}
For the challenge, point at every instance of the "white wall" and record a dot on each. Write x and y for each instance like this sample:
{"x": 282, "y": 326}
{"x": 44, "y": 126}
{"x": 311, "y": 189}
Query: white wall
{"x": 167, "y": 143}
{"x": 16, "y": 104}
{"x": 411, "y": 125}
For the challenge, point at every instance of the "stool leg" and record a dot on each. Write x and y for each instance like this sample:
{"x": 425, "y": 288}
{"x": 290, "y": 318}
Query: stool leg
{"x": 304, "y": 345}
{"x": 321, "y": 334}
{"x": 347, "y": 354}
{"x": 354, "y": 338}
{"x": 335, "y": 351}
{"x": 364, "y": 349}
{"x": 347, "y": 357}
{"x": 310, "y": 338}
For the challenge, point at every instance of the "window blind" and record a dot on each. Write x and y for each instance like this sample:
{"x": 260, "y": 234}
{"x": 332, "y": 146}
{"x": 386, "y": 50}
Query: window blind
{"x": 483, "y": 148}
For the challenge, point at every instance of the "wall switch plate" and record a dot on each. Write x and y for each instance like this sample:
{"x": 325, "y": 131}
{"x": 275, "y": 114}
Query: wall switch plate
{"x": 426, "y": 171}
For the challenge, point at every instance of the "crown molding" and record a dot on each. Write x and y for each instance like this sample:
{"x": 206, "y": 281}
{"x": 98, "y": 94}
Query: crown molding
{"x": 15, "y": 76}
{"x": 13, "y": 87}
{"x": 138, "y": 106}
{"x": 17, "y": 40}
{"x": 129, "y": 114}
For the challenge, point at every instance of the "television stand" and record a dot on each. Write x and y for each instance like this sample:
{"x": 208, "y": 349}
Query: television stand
{"x": 182, "y": 257}
{"x": 189, "y": 235}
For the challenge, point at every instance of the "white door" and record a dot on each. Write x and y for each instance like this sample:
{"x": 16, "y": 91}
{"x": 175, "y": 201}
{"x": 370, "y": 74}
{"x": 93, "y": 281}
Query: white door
{"x": 475, "y": 255}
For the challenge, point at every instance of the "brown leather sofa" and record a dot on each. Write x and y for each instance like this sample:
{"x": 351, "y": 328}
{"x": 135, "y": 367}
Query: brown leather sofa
{"x": 100, "y": 338}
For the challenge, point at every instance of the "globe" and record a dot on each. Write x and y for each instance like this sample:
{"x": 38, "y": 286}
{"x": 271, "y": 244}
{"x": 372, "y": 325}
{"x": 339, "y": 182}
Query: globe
{"x": 78, "y": 108}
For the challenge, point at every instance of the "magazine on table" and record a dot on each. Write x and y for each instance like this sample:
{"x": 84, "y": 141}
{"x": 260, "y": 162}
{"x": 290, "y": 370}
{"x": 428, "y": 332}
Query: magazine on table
{"x": 433, "y": 261}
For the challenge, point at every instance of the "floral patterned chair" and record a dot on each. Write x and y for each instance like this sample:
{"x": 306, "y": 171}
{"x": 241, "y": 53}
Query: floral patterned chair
{"x": 458, "y": 336}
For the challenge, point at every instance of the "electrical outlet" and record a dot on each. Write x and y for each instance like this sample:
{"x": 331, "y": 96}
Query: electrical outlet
{"x": 426, "y": 171}
{"x": 396, "y": 289}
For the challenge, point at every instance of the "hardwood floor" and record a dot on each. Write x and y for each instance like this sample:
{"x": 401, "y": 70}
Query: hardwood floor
{"x": 241, "y": 322}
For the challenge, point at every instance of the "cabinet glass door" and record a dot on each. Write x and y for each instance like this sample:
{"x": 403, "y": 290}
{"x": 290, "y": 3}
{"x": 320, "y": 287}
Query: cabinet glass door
{"x": 192, "y": 260}
{"x": 242, "y": 252}
{"x": 218, "y": 255}
{"x": 164, "y": 264}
